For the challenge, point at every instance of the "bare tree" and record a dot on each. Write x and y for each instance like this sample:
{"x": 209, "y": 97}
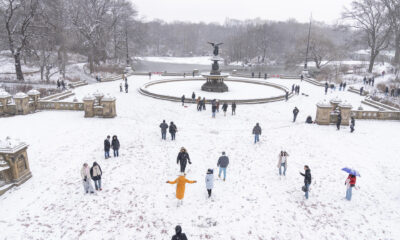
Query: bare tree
{"x": 18, "y": 16}
{"x": 370, "y": 16}
{"x": 393, "y": 7}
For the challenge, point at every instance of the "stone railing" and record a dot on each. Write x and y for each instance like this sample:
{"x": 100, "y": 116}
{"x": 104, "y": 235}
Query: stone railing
{"x": 376, "y": 115}
{"x": 56, "y": 105}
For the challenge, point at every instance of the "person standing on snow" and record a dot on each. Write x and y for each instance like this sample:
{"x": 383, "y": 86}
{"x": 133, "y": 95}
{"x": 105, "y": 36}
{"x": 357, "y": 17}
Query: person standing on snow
{"x": 350, "y": 183}
{"x": 213, "y": 108}
{"x": 95, "y": 174}
{"x": 282, "y": 162}
{"x": 180, "y": 188}
{"x": 286, "y": 95}
{"x": 223, "y": 163}
{"x": 115, "y": 145}
{"x": 257, "y": 133}
{"x": 85, "y": 174}
{"x": 172, "y": 130}
{"x": 164, "y": 128}
{"x": 352, "y": 124}
{"x": 295, "y": 112}
{"x": 126, "y": 87}
{"x": 225, "y": 108}
{"x": 120, "y": 87}
{"x": 178, "y": 230}
{"x": 209, "y": 181}
{"x": 193, "y": 96}
{"x": 204, "y": 103}
{"x": 182, "y": 159}
{"x": 234, "y": 108}
{"x": 307, "y": 180}
{"x": 339, "y": 121}
{"x": 183, "y": 100}
{"x": 107, "y": 146}
{"x": 217, "y": 103}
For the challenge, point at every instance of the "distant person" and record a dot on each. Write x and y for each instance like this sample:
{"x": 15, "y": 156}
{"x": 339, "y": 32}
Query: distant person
{"x": 172, "y": 130}
{"x": 217, "y": 104}
{"x": 257, "y": 133}
{"x": 350, "y": 183}
{"x": 183, "y": 99}
{"x": 63, "y": 84}
{"x": 209, "y": 181}
{"x": 265, "y": 76}
{"x": 204, "y": 103}
{"x": 164, "y": 127}
{"x": 199, "y": 104}
{"x": 259, "y": 74}
{"x": 309, "y": 120}
{"x": 224, "y": 108}
{"x": 126, "y": 87}
{"x": 58, "y": 83}
{"x": 182, "y": 159}
{"x": 95, "y": 174}
{"x": 234, "y": 108}
{"x": 120, "y": 87}
{"x": 301, "y": 77}
{"x": 85, "y": 174}
{"x": 213, "y": 108}
{"x": 115, "y": 145}
{"x": 344, "y": 86}
{"x": 307, "y": 180}
{"x": 295, "y": 112}
{"x": 352, "y": 124}
{"x": 286, "y": 95}
{"x": 282, "y": 162}
{"x": 252, "y": 74}
{"x": 184, "y": 75}
{"x": 222, "y": 163}
{"x": 107, "y": 146}
{"x": 193, "y": 97}
{"x": 179, "y": 235}
{"x": 149, "y": 75}
{"x": 361, "y": 91}
{"x": 339, "y": 121}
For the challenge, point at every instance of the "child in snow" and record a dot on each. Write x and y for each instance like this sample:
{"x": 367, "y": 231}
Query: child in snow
{"x": 209, "y": 181}
{"x": 180, "y": 188}
{"x": 85, "y": 174}
{"x": 350, "y": 183}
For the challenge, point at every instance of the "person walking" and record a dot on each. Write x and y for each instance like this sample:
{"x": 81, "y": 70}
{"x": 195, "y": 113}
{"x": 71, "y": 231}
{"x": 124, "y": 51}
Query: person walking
{"x": 95, "y": 174}
{"x": 180, "y": 188}
{"x": 223, "y": 163}
{"x": 172, "y": 130}
{"x": 217, "y": 104}
{"x": 107, "y": 146}
{"x": 361, "y": 91}
{"x": 182, "y": 159}
{"x": 193, "y": 96}
{"x": 307, "y": 180}
{"x": 344, "y": 86}
{"x": 213, "y": 108}
{"x": 178, "y": 230}
{"x": 301, "y": 77}
{"x": 209, "y": 181}
{"x": 352, "y": 124}
{"x": 234, "y": 108}
{"x": 115, "y": 145}
{"x": 58, "y": 83}
{"x": 225, "y": 108}
{"x": 286, "y": 95}
{"x": 350, "y": 183}
{"x": 257, "y": 133}
{"x": 183, "y": 99}
{"x": 339, "y": 121}
{"x": 204, "y": 103}
{"x": 198, "y": 101}
{"x": 120, "y": 87}
{"x": 295, "y": 112}
{"x": 164, "y": 127}
{"x": 282, "y": 162}
{"x": 126, "y": 87}
{"x": 85, "y": 174}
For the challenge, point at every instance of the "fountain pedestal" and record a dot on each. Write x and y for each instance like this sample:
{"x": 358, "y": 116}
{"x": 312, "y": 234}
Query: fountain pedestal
{"x": 215, "y": 79}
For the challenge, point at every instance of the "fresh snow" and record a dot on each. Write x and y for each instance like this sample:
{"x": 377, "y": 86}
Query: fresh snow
{"x": 202, "y": 60}
{"x": 254, "y": 202}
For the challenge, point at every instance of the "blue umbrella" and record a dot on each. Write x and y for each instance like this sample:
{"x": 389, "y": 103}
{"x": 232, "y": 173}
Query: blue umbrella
{"x": 351, "y": 171}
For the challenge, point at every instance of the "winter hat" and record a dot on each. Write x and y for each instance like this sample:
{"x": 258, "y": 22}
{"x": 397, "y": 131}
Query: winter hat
{"x": 178, "y": 229}
{"x": 108, "y": 136}
{"x": 223, "y": 153}
{"x": 210, "y": 171}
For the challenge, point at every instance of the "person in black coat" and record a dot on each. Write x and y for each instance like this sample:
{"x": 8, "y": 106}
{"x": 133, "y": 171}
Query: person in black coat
{"x": 115, "y": 145}
{"x": 164, "y": 127}
{"x": 172, "y": 130}
{"x": 286, "y": 95}
{"x": 307, "y": 180}
{"x": 183, "y": 100}
{"x": 193, "y": 97}
{"x": 295, "y": 112}
{"x": 339, "y": 121}
{"x": 126, "y": 87}
{"x": 179, "y": 235}
{"x": 257, "y": 132}
{"x": 233, "y": 108}
{"x": 213, "y": 108}
{"x": 225, "y": 108}
{"x": 107, "y": 146}
{"x": 182, "y": 159}
{"x": 361, "y": 91}
{"x": 352, "y": 124}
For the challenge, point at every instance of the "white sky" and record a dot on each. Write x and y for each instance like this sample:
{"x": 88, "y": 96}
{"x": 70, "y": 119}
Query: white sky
{"x": 218, "y": 10}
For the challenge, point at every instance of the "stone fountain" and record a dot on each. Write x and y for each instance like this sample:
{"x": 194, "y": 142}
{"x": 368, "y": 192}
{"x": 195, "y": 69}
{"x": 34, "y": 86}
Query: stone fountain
{"x": 215, "y": 79}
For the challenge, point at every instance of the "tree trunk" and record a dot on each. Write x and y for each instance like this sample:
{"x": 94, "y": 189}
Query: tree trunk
{"x": 18, "y": 69}
{"x": 41, "y": 73}
{"x": 396, "y": 59}
{"x": 372, "y": 60}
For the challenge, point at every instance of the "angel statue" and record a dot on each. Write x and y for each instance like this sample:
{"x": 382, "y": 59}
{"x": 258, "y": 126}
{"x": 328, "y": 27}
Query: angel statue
{"x": 216, "y": 48}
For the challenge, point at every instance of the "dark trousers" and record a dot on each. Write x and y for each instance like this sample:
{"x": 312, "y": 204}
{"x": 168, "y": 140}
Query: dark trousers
{"x": 107, "y": 154}
{"x": 209, "y": 192}
{"x": 183, "y": 167}
{"x": 116, "y": 154}
{"x": 233, "y": 111}
{"x": 338, "y": 126}
{"x": 294, "y": 117}
{"x": 173, "y": 136}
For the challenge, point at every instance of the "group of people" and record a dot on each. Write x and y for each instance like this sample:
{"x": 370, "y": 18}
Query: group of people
{"x": 370, "y": 81}
{"x": 172, "y": 130}
{"x": 259, "y": 75}
{"x": 125, "y": 80}
{"x": 296, "y": 89}
{"x": 215, "y": 105}
{"x": 61, "y": 84}
{"x": 93, "y": 173}
{"x": 114, "y": 144}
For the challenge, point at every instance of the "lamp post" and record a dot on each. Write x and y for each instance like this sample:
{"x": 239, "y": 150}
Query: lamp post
{"x": 305, "y": 70}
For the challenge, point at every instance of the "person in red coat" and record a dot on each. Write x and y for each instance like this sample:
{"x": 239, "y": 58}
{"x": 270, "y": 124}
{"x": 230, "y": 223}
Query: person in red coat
{"x": 350, "y": 183}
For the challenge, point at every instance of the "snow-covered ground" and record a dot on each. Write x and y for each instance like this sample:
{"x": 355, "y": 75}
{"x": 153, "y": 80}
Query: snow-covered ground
{"x": 201, "y": 60}
{"x": 254, "y": 202}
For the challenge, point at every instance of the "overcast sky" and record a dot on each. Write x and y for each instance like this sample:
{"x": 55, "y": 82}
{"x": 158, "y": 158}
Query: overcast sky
{"x": 218, "y": 10}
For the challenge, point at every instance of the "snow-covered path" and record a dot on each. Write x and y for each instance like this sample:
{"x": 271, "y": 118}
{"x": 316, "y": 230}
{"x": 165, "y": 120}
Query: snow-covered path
{"x": 254, "y": 203}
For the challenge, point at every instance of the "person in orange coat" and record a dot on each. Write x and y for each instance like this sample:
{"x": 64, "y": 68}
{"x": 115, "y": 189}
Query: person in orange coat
{"x": 180, "y": 188}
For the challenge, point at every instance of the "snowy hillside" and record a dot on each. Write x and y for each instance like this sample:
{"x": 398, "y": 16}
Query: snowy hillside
{"x": 254, "y": 202}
